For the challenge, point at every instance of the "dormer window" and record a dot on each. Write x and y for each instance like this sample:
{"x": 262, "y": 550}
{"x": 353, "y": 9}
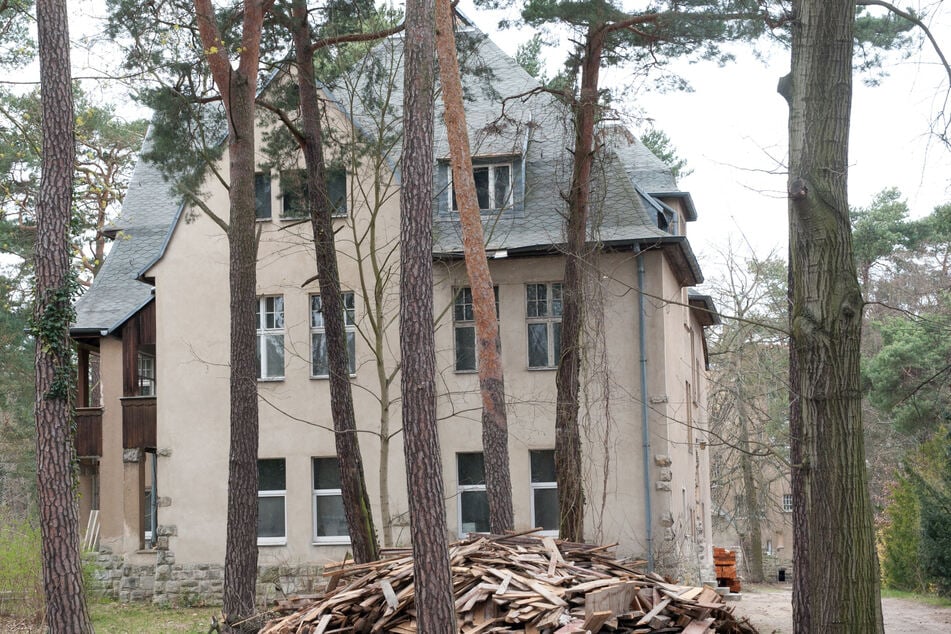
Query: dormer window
{"x": 493, "y": 185}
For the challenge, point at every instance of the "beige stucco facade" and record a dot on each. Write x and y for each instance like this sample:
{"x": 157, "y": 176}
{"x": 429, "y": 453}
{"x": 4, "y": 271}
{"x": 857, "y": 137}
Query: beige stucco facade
{"x": 648, "y": 497}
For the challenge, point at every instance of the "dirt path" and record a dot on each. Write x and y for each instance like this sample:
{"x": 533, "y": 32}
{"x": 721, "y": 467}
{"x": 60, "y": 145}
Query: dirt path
{"x": 769, "y": 608}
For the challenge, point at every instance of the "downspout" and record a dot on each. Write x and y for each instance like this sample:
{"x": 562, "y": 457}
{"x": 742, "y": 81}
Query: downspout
{"x": 645, "y": 429}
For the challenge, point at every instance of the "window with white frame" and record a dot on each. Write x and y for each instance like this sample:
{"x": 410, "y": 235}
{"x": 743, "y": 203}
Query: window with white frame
{"x": 544, "y": 491}
{"x": 787, "y": 503}
{"x": 463, "y": 321}
{"x": 145, "y": 371}
{"x": 473, "y": 500}
{"x": 330, "y": 522}
{"x": 493, "y": 183}
{"x": 272, "y": 508}
{"x": 319, "y": 366}
{"x": 270, "y": 320}
{"x": 543, "y": 313}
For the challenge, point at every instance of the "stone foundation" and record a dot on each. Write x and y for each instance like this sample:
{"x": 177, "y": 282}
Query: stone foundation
{"x": 166, "y": 582}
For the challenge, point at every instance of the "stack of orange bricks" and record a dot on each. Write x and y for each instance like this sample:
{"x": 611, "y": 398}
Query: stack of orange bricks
{"x": 725, "y": 562}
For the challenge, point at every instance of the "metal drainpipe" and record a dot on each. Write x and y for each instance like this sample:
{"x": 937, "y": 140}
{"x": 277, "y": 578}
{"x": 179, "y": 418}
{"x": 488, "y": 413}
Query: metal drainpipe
{"x": 645, "y": 429}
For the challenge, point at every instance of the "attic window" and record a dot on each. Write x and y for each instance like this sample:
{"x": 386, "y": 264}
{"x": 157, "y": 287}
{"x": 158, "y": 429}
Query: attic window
{"x": 493, "y": 187}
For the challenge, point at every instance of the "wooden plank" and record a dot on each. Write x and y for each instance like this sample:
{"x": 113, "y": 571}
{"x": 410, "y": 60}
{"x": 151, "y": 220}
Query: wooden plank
{"x": 594, "y": 621}
{"x": 322, "y": 625}
{"x": 389, "y": 595}
{"x": 700, "y": 627}
{"x": 657, "y": 610}
{"x": 617, "y": 599}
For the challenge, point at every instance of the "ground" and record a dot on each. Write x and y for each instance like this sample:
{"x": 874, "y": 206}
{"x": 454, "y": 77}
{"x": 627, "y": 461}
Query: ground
{"x": 769, "y": 609}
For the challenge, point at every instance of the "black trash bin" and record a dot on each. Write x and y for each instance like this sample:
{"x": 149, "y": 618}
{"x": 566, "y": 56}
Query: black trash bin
{"x": 782, "y": 575}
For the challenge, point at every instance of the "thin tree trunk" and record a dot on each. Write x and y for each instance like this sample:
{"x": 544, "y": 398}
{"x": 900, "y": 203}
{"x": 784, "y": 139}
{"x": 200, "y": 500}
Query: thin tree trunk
{"x": 836, "y": 582}
{"x": 498, "y": 481}
{"x": 567, "y": 433}
{"x": 59, "y": 522}
{"x": 237, "y": 87}
{"x": 427, "y": 507}
{"x": 356, "y": 500}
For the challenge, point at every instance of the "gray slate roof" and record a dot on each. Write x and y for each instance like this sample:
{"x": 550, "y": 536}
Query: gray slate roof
{"x": 149, "y": 211}
{"x": 533, "y": 129}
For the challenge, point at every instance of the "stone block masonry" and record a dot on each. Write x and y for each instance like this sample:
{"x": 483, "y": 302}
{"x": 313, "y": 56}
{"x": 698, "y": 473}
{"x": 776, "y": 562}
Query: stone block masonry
{"x": 169, "y": 583}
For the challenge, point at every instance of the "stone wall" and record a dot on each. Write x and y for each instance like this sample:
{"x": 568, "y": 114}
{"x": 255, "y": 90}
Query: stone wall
{"x": 168, "y": 583}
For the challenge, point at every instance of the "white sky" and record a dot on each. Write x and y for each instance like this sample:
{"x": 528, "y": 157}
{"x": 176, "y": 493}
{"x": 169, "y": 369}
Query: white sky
{"x": 732, "y": 129}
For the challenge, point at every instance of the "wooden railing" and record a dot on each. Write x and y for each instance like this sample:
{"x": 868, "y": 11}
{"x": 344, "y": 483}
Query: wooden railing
{"x": 88, "y": 431}
{"x": 138, "y": 422}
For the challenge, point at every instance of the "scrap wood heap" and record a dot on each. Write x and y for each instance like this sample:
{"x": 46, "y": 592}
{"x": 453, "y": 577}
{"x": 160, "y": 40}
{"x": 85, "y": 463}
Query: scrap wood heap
{"x": 511, "y": 584}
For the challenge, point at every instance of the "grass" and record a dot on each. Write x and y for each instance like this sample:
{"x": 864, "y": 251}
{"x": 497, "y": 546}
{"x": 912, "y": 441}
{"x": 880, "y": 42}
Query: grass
{"x": 126, "y": 618}
{"x": 927, "y": 599}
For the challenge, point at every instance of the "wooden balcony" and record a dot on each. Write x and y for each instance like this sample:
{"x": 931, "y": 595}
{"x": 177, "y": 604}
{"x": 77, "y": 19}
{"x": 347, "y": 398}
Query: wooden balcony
{"x": 88, "y": 431}
{"x": 138, "y": 422}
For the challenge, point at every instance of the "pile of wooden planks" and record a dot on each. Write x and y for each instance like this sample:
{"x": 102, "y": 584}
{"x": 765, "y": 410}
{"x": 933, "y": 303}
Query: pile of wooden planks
{"x": 516, "y": 583}
{"x": 725, "y": 562}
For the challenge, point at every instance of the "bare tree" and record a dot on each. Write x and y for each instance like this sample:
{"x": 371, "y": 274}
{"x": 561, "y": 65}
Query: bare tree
{"x": 59, "y": 523}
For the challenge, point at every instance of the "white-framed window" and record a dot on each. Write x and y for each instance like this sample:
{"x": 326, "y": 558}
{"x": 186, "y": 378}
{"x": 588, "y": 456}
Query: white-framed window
{"x": 463, "y": 321}
{"x": 272, "y": 507}
{"x": 543, "y": 312}
{"x": 493, "y": 183}
{"x": 330, "y": 521}
{"x": 270, "y": 319}
{"x": 319, "y": 366}
{"x": 145, "y": 371}
{"x": 473, "y": 502}
{"x": 787, "y": 502}
{"x": 545, "y": 508}
{"x": 294, "y": 192}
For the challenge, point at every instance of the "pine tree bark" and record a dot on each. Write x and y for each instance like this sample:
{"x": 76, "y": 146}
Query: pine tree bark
{"x": 238, "y": 88}
{"x": 498, "y": 480}
{"x": 66, "y": 609}
{"x": 836, "y": 581}
{"x": 356, "y": 500}
{"x": 567, "y": 382}
{"x": 427, "y": 508}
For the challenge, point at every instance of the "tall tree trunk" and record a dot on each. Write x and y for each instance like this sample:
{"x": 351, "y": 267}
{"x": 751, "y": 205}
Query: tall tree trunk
{"x": 356, "y": 500}
{"x": 840, "y": 592}
{"x": 753, "y": 544}
{"x": 427, "y": 507}
{"x": 567, "y": 433}
{"x": 238, "y": 87}
{"x": 59, "y": 522}
{"x": 498, "y": 481}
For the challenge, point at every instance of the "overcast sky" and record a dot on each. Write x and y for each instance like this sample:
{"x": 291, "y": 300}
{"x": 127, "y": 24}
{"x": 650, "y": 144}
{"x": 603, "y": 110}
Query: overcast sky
{"x": 732, "y": 129}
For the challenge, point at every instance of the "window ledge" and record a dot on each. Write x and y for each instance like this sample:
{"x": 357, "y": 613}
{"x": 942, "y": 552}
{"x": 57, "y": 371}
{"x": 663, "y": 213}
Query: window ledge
{"x": 541, "y": 369}
{"x": 343, "y": 541}
{"x": 326, "y": 377}
{"x": 274, "y": 379}
{"x": 273, "y": 542}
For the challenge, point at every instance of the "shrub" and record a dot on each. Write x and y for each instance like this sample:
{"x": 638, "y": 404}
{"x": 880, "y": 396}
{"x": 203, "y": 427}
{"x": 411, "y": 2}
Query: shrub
{"x": 899, "y": 538}
{"x": 21, "y": 576}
